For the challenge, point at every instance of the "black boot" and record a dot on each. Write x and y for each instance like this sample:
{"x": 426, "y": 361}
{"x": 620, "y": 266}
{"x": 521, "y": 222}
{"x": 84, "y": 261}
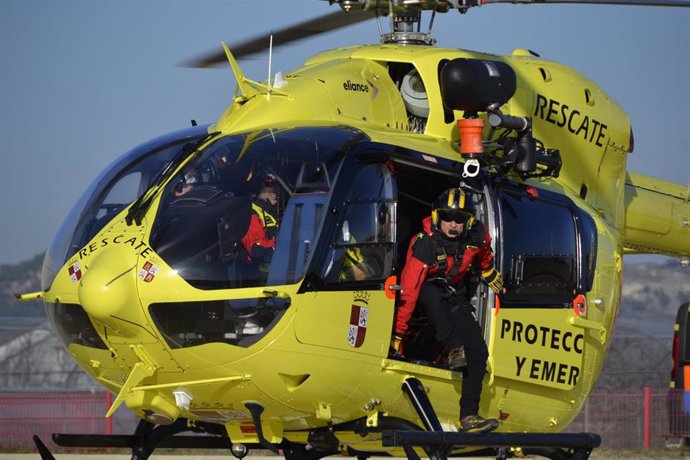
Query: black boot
{"x": 477, "y": 424}
{"x": 457, "y": 359}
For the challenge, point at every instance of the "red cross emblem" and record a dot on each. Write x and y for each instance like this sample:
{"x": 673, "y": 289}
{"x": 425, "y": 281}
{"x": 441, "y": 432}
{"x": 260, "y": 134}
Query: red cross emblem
{"x": 148, "y": 272}
{"x": 359, "y": 317}
{"x": 74, "y": 272}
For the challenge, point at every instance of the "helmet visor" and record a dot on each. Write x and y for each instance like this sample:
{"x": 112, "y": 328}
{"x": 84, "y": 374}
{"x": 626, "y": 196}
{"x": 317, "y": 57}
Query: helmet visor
{"x": 454, "y": 215}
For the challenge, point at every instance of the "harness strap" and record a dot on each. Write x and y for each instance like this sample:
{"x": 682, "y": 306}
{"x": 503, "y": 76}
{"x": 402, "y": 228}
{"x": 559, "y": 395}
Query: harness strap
{"x": 267, "y": 220}
{"x": 441, "y": 259}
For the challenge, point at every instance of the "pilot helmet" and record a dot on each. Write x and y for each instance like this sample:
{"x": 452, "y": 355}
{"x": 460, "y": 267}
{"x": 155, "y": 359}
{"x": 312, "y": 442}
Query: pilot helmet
{"x": 453, "y": 205}
{"x": 192, "y": 177}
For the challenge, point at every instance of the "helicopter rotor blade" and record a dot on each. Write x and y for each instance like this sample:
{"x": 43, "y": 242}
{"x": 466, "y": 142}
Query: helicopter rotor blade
{"x": 290, "y": 34}
{"x": 339, "y": 19}
{"x": 672, "y": 3}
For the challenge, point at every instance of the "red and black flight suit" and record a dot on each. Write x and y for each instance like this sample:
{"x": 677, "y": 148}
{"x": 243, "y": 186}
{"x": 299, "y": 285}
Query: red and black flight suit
{"x": 435, "y": 277}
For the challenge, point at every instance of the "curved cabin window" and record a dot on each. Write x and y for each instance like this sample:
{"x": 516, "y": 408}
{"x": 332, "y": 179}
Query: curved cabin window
{"x": 206, "y": 226}
{"x": 72, "y": 325}
{"x": 588, "y": 232}
{"x": 121, "y": 183}
{"x": 540, "y": 260}
{"x": 365, "y": 235}
{"x": 240, "y": 322}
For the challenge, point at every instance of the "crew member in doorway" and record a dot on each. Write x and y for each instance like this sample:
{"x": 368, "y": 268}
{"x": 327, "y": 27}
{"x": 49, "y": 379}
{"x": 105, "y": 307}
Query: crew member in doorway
{"x": 436, "y": 277}
{"x": 260, "y": 240}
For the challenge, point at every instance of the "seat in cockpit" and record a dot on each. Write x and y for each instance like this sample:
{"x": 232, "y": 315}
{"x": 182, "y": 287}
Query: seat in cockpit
{"x": 199, "y": 233}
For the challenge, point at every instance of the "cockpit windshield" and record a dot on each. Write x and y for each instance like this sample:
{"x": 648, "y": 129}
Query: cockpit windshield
{"x": 246, "y": 210}
{"x": 121, "y": 183}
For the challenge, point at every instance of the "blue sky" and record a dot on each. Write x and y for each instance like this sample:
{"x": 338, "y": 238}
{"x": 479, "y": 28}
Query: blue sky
{"x": 83, "y": 81}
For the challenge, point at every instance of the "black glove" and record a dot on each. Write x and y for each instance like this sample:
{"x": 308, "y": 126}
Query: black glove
{"x": 493, "y": 279}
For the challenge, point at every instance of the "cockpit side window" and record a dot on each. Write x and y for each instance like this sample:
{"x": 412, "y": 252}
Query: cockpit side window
{"x": 364, "y": 243}
{"x": 247, "y": 209}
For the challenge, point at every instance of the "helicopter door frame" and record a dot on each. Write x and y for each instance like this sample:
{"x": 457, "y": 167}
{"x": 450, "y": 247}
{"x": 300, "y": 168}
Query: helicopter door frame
{"x": 358, "y": 225}
{"x": 547, "y": 255}
{"x": 421, "y": 178}
{"x": 343, "y": 311}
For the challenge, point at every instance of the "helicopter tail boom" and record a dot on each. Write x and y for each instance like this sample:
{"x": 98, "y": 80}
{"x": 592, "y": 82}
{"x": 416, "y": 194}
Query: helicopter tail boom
{"x": 657, "y": 217}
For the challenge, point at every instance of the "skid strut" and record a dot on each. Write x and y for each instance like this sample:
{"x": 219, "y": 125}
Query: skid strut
{"x": 437, "y": 443}
{"x": 415, "y": 391}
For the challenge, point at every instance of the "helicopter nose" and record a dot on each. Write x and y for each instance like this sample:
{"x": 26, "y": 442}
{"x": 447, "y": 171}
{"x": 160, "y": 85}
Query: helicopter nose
{"x": 109, "y": 284}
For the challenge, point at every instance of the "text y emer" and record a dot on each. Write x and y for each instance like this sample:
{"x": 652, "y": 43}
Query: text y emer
{"x": 546, "y": 337}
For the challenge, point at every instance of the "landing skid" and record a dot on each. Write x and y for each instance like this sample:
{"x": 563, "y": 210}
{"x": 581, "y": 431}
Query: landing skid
{"x": 567, "y": 446}
{"x": 323, "y": 442}
{"x": 146, "y": 438}
{"x": 439, "y": 444}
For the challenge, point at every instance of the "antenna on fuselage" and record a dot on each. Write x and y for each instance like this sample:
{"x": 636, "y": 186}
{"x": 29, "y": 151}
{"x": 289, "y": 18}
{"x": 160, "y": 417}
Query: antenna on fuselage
{"x": 270, "y": 62}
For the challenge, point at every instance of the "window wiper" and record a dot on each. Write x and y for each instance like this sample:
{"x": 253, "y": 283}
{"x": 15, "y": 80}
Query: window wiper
{"x": 142, "y": 204}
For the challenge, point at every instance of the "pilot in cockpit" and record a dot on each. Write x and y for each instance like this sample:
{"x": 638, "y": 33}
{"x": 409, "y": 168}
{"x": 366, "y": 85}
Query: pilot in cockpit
{"x": 260, "y": 240}
{"x": 186, "y": 185}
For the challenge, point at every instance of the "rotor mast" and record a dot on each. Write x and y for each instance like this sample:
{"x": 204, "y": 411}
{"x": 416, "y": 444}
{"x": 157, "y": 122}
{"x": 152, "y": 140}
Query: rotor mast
{"x": 405, "y": 16}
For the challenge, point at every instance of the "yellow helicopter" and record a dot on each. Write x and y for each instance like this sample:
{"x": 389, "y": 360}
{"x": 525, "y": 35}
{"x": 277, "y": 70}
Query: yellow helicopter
{"x": 147, "y": 285}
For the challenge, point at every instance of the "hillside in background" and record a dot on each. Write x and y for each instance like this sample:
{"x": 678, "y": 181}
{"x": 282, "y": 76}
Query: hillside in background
{"x": 652, "y": 293}
{"x": 640, "y": 353}
{"x": 20, "y": 278}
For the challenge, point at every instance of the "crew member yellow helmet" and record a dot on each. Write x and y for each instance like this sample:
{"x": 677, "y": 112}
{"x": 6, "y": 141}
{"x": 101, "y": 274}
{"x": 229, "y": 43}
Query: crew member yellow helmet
{"x": 453, "y": 205}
